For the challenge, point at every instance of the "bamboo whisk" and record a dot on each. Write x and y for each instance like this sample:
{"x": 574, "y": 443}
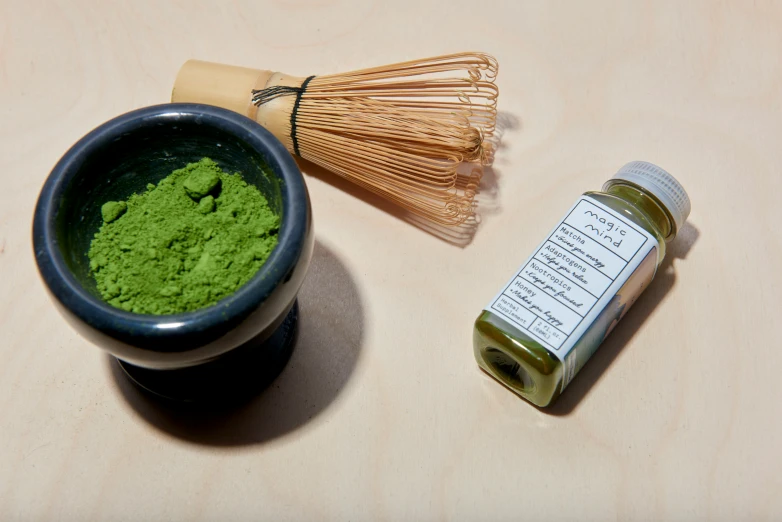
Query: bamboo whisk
{"x": 403, "y": 131}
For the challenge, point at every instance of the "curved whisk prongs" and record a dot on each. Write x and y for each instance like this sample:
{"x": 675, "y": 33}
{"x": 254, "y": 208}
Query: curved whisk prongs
{"x": 402, "y": 131}
{"x": 492, "y": 66}
{"x": 474, "y": 74}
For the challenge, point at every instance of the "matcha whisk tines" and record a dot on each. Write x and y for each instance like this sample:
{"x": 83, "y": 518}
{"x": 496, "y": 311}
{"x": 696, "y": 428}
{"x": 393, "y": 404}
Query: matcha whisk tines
{"x": 407, "y": 132}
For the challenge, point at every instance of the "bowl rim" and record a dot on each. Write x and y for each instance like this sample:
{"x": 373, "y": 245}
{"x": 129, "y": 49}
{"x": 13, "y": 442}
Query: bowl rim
{"x": 122, "y": 325}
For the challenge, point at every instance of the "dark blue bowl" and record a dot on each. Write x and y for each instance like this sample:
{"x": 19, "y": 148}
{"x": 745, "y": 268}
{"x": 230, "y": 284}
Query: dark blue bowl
{"x": 118, "y": 159}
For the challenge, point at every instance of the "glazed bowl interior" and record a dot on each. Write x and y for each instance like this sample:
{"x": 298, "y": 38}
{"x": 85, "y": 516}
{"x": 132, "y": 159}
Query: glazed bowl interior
{"x": 120, "y": 158}
{"x": 125, "y": 166}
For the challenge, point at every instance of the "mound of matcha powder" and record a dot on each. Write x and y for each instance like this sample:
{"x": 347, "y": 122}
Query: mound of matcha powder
{"x": 184, "y": 244}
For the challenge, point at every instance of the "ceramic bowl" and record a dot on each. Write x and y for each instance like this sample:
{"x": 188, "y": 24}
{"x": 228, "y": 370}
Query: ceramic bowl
{"x": 250, "y": 331}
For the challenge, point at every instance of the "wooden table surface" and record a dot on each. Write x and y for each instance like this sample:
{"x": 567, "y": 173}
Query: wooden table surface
{"x": 382, "y": 413}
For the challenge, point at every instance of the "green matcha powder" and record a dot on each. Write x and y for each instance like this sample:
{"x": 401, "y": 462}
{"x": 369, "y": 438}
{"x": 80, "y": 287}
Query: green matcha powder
{"x": 184, "y": 244}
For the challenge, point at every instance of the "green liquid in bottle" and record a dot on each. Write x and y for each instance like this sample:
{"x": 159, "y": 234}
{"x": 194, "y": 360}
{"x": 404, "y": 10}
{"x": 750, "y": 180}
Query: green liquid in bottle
{"x": 552, "y": 316}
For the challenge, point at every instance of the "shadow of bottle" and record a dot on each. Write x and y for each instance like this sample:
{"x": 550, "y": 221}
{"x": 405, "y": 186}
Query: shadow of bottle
{"x": 621, "y": 336}
{"x": 327, "y": 349}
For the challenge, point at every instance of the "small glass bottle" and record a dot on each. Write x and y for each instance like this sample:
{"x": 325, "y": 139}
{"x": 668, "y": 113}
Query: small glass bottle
{"x": 543, "y": 326}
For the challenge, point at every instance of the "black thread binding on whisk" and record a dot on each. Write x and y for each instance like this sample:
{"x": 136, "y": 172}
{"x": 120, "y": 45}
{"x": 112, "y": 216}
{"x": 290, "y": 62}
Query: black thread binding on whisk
{"x": 261, "y": 96}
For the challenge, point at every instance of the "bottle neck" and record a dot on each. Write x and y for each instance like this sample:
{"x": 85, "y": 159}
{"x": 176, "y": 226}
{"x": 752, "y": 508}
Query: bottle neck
{"x": 647, "y": 204}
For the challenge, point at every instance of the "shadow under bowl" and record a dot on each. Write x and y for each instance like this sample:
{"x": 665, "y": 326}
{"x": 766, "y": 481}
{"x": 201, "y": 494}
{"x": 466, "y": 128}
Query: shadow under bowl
{"x": 176, "y": 355}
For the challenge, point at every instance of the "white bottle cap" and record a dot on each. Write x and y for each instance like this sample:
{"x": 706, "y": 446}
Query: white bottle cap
{"x": 661, "y": 184}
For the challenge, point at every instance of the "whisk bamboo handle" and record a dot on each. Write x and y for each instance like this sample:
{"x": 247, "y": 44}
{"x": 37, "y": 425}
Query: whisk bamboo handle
{"x": 230, "y": 87}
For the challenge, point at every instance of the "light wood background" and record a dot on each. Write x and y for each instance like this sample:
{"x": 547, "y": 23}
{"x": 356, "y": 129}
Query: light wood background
{"x": 382, "y": 413}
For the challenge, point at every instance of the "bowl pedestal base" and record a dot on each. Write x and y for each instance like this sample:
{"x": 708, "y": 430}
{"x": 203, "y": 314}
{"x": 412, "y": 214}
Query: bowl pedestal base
{"x": 234, "y": 377}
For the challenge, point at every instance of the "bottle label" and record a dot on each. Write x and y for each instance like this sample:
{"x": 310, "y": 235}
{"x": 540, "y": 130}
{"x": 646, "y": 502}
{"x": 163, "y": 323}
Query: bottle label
{"x": 575, "y": 282}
